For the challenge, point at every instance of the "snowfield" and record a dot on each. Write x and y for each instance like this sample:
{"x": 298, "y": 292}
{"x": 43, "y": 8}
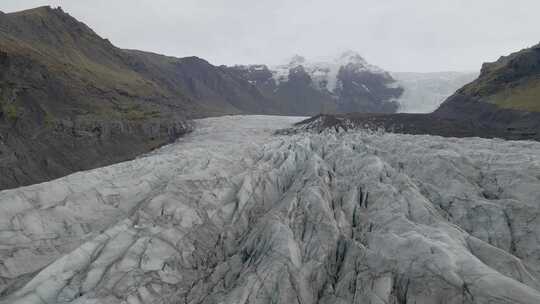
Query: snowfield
{"x": 235, "y": 214}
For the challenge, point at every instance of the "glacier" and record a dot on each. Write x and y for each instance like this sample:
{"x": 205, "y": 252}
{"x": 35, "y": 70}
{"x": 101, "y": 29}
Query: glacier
{"x": 424, "y": 92}
{"x": 237, "y": 213}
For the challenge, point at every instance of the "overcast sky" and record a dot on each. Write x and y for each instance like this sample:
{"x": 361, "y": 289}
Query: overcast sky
{"x": 398, "y": 35}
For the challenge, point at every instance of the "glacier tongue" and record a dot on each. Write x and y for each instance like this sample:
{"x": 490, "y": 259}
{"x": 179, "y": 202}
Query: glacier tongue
{"x": 234, "y": 214}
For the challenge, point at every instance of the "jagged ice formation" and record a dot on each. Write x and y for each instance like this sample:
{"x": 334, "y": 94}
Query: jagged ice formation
{"x": 235, "y": 214}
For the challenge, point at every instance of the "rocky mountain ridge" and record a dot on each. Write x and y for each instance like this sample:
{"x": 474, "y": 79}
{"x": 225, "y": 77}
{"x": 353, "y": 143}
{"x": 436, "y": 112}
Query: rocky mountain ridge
{"x": 70, "y": 100}
{"x": 346, "y": 84}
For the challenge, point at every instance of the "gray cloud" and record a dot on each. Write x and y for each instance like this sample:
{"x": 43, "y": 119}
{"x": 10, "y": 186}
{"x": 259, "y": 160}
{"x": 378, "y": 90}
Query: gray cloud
{"x": 399, "y": 35}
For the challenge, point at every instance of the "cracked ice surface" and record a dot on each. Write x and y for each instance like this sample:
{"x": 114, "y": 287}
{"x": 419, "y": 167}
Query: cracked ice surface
{"x": 234, "y": 214}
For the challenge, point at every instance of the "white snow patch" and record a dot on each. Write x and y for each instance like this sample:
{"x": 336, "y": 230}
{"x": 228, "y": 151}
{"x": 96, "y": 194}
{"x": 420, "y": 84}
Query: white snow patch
{"x": 325, "y": 73}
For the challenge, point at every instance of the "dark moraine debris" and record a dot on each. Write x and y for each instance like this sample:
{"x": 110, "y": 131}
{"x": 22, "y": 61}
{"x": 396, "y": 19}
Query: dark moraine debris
{"x": 419, "y": 124}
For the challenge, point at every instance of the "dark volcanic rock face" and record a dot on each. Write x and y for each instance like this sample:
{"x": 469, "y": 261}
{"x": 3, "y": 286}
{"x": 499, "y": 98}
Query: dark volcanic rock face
{"x": 349, "y": 84}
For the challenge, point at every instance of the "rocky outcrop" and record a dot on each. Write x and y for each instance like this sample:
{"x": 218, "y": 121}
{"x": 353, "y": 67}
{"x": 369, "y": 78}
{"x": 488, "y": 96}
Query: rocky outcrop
{"x": 233, "y": 214}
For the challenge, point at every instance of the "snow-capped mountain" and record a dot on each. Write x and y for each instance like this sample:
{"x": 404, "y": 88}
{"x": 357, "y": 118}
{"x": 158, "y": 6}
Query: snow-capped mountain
{"x": 325, "y": 74}
{"x": 347, "y": 83}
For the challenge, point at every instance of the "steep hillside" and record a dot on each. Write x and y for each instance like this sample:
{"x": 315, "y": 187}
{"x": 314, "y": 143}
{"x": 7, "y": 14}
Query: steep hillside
{"x": 505, "y": 95}
{"x": 346, "y": 84}
{"x": 70, "y": 100}
{"x": 512, "y": 82}
{"x": 212, "y": 89}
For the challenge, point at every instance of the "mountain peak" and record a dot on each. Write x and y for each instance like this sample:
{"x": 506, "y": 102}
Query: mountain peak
{"x": 46, "y": 25}
{"x": 40, "y": 10}
{"x": 350, "y": 57}
{"x": 297, "y": 60}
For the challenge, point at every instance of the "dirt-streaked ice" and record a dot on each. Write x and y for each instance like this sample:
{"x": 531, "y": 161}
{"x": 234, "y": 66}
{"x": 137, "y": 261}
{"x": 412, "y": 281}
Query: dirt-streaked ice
{"x": 235, "y": 214}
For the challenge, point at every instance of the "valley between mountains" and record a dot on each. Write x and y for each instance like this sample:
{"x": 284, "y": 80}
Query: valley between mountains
{"x": 70, "y": 100}
{"x": 235, "y": 213}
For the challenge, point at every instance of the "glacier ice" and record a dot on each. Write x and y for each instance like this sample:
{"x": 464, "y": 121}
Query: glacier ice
{"x": 234, "y": 213}
{"x": 424, "y": 92}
